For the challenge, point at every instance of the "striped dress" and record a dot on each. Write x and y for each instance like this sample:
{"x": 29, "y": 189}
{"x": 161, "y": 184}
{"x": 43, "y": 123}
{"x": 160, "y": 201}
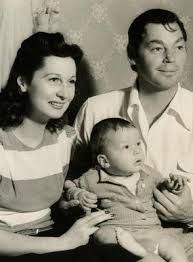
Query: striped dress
{"x": 31, "y": 179}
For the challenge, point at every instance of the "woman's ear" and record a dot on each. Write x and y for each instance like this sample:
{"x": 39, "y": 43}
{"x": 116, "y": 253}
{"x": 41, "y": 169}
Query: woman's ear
{"x": 103, "y": 161}
{"x": 21, "y": 83}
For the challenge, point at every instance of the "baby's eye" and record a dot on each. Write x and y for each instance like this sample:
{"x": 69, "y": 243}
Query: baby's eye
{"x": 72, "y": 81}
{"x": 180, "y": 47}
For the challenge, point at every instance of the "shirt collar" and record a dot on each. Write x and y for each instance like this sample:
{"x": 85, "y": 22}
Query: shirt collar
{"x": 179, "y": 106}
{"x": 104, "y": 177}
{"x": 134, "y": 96}
{"x": 182, "y": 106}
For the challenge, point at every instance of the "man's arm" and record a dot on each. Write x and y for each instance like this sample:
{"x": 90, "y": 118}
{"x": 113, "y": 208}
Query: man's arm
{"x": 81, "y": 157}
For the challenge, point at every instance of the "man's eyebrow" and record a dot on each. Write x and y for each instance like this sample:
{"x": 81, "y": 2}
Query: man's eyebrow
{"x": 157, "y": 41}
{"x": 180, "y": 39}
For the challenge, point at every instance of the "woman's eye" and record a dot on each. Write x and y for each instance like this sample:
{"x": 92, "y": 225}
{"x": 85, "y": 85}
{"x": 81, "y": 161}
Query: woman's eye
{"x": 55, "y": 80}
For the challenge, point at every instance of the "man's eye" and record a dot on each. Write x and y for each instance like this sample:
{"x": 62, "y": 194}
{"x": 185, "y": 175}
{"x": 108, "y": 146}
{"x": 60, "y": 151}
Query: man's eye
{"x": 126, "y": 146}
{"x": 139, "y": 143}
{"x": 157, "y": 49}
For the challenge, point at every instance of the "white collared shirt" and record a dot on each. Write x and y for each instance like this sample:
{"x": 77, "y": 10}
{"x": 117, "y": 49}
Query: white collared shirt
{"x": 168, "y": 144}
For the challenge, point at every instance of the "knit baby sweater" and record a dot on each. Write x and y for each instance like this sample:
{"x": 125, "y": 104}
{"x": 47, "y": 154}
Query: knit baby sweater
{"x": 103, "y": 185}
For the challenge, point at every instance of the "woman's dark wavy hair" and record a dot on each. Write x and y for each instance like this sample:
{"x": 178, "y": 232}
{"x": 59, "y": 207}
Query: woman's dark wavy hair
{"x": 137, "y": 27}
{"x": 14, "y": 105}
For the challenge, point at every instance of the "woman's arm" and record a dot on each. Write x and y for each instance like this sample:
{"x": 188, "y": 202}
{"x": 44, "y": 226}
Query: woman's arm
{"x": 13, "y": 244}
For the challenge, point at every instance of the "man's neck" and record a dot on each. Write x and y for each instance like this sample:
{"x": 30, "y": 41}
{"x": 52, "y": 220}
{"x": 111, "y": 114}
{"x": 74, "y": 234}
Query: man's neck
{"x": 155, "y": 102}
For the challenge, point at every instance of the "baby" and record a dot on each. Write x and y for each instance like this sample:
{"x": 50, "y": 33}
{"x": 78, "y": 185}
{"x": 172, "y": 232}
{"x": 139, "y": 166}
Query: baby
{"x": 121, "y": 176}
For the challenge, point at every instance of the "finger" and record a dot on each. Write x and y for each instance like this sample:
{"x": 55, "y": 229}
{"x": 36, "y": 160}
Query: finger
{"x": 88, "y": 205}
{"x": 171, "y": 199}
{"x": 89, "y": 201}
{"x": 69, "y": 204}
{"x": 68, "y": 184}
{"x": 96, "y": 218}
{"x": 161, "y": 209}
{"x": 164, "y": 198}
{"x": 73, "y": 203}
{"x": 162, "y": 217}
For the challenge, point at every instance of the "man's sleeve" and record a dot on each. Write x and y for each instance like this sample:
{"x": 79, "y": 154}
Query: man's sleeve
{"x": 81, "y": 159}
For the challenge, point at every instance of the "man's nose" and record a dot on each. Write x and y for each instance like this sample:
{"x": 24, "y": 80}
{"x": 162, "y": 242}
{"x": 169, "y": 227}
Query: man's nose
{"x": 169, "y": 56}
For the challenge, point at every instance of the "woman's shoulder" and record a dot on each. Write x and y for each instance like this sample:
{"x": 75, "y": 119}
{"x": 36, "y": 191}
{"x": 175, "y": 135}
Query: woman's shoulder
{"x": 3, "y": 136}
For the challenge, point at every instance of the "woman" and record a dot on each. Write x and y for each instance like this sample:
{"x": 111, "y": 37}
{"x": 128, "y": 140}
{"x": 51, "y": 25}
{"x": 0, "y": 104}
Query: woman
{"x": 35, "y": 148}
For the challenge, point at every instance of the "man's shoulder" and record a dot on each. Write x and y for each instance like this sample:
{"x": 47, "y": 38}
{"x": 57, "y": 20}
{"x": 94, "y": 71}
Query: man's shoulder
{"x": 186, "y": 93}
{"x": 115, "y": 96}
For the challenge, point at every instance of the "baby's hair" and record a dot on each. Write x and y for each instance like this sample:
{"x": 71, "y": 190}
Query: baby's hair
{"x": 99, "y": 132}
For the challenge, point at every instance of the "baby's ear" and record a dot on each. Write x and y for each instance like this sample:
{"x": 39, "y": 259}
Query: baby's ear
{"x": 103, "y": 161}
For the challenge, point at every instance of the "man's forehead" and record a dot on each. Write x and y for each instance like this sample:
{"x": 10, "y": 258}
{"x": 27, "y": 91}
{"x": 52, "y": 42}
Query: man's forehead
{"x": 153, "y": 31}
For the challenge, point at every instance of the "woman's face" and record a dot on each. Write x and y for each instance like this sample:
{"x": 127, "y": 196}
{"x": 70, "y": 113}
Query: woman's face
{"x": 52, "y": 88}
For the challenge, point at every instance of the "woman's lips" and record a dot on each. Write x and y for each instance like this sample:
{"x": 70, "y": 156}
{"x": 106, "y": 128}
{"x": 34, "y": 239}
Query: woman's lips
{"x": 56, "y": 105}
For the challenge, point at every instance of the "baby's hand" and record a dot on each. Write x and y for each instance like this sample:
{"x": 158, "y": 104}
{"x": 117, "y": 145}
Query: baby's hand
{"x": 87, "y": 200}
{"x": 176, "y": 183}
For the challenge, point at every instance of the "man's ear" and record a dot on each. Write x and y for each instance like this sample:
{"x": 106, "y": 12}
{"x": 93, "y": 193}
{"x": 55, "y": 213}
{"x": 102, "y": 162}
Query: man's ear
{"x": 131, "y": 53}
{"x": 22, "y": 84}
{"x": 103, "y": 161}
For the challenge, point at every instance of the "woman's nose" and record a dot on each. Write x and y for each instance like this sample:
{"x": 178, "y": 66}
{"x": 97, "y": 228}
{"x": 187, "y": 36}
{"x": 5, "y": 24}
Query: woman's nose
{"x": 62, "y": 92}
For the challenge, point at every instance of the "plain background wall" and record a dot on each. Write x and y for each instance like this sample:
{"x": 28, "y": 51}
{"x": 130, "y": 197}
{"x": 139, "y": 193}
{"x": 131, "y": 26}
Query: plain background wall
{"x": 100, "y": 28}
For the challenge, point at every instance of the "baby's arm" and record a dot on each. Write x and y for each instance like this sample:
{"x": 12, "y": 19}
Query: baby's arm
{"x": 87, "y": 200}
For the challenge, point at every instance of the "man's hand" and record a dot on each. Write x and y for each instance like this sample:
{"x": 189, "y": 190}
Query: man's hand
{"x": 174, "y": 207}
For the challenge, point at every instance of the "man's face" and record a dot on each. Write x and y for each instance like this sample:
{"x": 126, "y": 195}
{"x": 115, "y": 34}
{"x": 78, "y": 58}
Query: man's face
{"x": 161, "y": 56}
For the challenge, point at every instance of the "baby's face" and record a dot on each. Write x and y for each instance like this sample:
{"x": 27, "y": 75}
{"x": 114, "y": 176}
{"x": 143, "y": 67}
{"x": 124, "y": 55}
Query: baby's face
{"x": 124, "y": 152}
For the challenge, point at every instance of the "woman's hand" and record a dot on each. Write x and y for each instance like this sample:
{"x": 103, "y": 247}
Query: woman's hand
{"x": 81, "y": 230}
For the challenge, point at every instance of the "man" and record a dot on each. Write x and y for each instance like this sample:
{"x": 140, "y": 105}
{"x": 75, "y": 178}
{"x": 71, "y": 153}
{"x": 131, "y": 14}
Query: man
{"x": 158, "y": 106}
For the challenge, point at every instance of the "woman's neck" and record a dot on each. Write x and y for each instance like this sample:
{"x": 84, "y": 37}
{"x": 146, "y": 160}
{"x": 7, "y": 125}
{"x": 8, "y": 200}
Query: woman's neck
{"x": 30, "y": 132}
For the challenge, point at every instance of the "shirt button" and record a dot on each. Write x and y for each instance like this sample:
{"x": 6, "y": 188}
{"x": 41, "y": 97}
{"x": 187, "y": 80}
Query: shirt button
{"x": 143, "y": 185}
